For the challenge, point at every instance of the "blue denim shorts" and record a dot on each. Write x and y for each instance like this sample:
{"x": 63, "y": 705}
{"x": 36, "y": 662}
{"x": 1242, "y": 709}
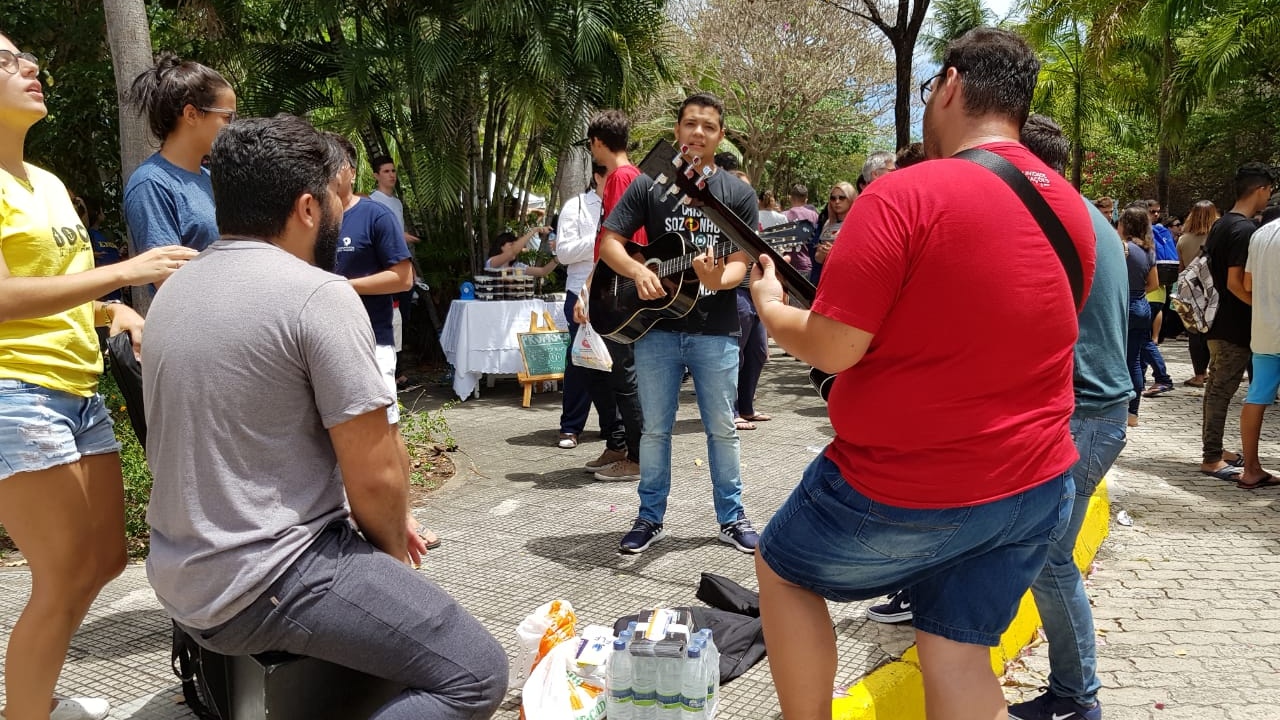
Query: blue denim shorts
{"x": 966, "y": 567}
{"x": 42, "y": 428}
{"x": 1265, "y": 381}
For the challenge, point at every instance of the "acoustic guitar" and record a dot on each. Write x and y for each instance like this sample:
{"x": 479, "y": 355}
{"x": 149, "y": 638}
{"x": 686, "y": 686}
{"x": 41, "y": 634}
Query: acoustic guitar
{"x": 614, "y": 303}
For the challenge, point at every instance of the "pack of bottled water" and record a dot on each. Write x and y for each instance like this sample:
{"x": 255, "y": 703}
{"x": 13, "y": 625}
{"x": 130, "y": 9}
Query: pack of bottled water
{"x": 675, "y": 677}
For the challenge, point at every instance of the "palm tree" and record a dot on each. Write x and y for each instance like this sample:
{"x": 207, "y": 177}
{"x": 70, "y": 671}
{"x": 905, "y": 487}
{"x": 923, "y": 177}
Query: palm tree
{"x": 951, "y": 19}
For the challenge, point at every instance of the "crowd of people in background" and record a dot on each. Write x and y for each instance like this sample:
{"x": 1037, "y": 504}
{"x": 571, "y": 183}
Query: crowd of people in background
{"x": 308, "y": 344}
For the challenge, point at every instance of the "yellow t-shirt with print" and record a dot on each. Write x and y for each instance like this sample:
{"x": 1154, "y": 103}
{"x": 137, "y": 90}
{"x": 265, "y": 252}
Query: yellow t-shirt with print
{"x": 41, "y": 236}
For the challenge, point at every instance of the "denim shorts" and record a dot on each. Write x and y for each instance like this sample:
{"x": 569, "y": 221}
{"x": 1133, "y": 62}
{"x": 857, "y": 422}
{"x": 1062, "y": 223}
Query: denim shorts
{"x": 1265, "y": 381}
{"x": 967, "y": 568}
{"x": 42, "y": 428}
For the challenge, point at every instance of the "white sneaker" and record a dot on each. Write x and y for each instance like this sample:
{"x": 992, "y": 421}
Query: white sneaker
{"x": 77, "y": 709}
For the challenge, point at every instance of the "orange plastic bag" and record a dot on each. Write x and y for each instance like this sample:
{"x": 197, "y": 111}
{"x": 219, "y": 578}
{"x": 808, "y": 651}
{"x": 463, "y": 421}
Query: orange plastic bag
{"x": 543, "y": 629}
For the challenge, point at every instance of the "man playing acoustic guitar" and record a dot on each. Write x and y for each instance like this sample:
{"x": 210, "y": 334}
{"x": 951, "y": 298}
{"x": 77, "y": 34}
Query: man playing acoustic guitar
{"x": 703, "y": 341}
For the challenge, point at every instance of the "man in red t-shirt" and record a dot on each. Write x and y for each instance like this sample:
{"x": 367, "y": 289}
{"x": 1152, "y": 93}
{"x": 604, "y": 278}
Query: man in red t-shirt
{"x": 950, "y": 470}
{"x": 614, "y": 393}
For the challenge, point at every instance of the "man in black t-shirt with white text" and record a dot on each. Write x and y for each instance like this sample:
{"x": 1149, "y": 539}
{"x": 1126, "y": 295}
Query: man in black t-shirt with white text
{"x": 1228, "y": 249}
{"x": 704, "y": 341}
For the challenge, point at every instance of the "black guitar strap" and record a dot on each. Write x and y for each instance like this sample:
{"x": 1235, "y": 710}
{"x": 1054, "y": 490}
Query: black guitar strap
{"x": 1040, "y": 210}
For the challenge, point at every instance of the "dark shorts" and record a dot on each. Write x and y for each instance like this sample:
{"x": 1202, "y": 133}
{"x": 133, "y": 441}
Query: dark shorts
{"x": 967, "y": 568}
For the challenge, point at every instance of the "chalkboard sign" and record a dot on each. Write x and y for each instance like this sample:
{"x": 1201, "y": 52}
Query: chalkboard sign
{"x": 543, "y": 353}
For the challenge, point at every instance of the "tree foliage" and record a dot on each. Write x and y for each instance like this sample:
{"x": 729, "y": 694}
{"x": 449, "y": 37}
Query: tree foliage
{"x": 793, "y": 82}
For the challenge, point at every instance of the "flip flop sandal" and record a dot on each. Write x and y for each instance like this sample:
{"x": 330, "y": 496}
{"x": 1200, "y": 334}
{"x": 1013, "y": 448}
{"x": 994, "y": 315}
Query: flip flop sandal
{"x": 429, "y": 538}
{"x": 1228, "y": 473}
{"x": 742, "y": 424}
{"x": 1238, "y": 462}
{"x": 758, "y": 417}
{"x": 1267, "y": 480}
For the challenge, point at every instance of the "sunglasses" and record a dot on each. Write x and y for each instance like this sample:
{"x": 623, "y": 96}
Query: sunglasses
{"x": 838, "y": 197}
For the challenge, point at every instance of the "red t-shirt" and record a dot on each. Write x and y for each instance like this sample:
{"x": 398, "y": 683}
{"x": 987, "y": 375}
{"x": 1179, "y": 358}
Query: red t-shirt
{"x": 964, "y": 395}
{"x": 614, "y": 186}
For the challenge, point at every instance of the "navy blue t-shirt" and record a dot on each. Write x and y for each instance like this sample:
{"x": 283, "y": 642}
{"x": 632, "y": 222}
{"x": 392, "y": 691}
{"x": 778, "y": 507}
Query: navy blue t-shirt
{"x": 370, "y": 242}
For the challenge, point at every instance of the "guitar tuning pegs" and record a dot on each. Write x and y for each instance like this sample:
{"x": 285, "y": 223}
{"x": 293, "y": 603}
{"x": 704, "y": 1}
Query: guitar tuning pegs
{"x": 686, "y": 200}
{"x": 672, "y": 190}
{"x": 690, "y": 171}
{"x": 662, "y": 179}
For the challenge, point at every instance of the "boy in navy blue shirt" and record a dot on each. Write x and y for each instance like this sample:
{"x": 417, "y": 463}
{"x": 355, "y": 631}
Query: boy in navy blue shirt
{"x": 373, "y": 255}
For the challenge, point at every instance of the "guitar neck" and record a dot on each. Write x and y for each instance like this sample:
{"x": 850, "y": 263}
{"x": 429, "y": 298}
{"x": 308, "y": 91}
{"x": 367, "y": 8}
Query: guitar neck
{"x": 747, "y": 239}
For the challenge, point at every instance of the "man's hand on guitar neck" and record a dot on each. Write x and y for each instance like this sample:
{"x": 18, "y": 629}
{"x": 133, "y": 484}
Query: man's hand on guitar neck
{"x": 720, "y": 274}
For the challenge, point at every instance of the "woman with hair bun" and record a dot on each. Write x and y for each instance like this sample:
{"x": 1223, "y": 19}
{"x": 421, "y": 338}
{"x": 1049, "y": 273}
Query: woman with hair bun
{"x": 169, "y": 198}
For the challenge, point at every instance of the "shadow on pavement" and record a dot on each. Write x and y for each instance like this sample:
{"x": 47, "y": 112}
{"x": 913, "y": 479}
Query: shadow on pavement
{"x": 586, "y": 551}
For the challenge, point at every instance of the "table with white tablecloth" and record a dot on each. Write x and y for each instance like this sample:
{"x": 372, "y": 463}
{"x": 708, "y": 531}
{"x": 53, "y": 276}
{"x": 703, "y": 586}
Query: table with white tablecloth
{"x": 479, "y": 338}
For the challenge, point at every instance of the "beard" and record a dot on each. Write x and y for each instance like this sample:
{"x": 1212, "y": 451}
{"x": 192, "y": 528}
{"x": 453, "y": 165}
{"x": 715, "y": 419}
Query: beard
{"x": 326, "y": 250}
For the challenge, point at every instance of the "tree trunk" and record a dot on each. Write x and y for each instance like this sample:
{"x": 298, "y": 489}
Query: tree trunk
{"x": 573, "y": 170}
{"x": 902, "y": 53}
{"x": 129, "y": 36}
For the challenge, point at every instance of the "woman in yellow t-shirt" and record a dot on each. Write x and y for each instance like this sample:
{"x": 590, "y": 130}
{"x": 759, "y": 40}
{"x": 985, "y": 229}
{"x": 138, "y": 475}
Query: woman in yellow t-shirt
{"x": 61, "y": 493}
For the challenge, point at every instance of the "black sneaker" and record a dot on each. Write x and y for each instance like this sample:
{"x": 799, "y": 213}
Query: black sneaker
{"x": 1051, "y": 707}
{"x": 896, "y": 609}
{"x": 740, "y": 534}
{"x": 642, "y": 535}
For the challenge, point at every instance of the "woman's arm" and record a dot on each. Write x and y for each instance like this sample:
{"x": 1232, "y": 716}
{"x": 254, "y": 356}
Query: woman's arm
{"x": 22, "y": 298}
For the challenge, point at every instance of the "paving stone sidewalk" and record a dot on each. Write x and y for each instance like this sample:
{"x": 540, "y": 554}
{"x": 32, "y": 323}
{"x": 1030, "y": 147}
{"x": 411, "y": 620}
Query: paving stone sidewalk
{"x": 1186, "y": 597}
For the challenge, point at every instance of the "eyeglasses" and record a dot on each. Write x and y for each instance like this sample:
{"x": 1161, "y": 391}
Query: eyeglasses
{"x": 926, "y": 87}
{"x": 230, "y": 114}
{"x": 838, "y": 197}
{"x": 9, "y": 61}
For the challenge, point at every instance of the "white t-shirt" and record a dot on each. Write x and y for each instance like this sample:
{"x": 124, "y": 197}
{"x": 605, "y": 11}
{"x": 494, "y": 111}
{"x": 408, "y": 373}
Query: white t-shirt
{"x": 1264, "y": 267}
{"x": 576, "y": 238}
{"x": 769, "y": 218}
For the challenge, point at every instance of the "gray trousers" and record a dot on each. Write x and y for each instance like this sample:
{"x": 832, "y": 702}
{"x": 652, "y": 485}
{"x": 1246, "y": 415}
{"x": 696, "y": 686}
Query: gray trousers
{"x": 348, "y": 603}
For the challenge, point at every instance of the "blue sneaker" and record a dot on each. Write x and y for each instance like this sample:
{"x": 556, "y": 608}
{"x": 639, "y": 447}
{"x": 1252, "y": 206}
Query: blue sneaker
{"x": 643, "y": 534}
{"x": 1051, "y": 707}
{"x": 740, "y": 534}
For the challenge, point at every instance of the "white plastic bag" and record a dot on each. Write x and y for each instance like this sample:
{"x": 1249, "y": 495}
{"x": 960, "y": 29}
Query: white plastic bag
{"x": 589, "y": 350}
{"x": 560, "y": 689}
{"x": 541, "y": 630}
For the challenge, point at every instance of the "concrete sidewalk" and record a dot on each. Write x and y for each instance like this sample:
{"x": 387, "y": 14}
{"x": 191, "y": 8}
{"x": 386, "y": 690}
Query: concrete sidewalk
{"x": 1187, "y": 596}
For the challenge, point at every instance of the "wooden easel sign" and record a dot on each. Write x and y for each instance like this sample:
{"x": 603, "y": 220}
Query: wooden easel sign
{"x": 542, "y": 350}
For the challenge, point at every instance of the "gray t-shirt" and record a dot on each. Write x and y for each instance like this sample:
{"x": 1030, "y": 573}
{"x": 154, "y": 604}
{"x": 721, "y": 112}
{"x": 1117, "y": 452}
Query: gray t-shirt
{"x": 250, "y": 356}
{"x": 715, "y": 313}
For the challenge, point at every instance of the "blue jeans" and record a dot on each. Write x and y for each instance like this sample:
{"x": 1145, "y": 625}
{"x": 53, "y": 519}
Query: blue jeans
{"x": 753, "y": 351}
{"x": 712, "y": 360}
{"x": 1151, "y": 355}
{"x": 1139, "y": 336}
{"x": 577, "y": 400}
{"x": 1059, "y": 590}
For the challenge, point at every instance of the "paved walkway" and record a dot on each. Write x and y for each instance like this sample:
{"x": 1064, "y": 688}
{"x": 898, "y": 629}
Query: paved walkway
{"x": 1186, "y": 597}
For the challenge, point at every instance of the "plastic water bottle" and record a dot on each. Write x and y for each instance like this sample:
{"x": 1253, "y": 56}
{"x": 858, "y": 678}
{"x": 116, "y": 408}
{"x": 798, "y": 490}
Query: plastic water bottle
{"x": 693, "y": 686}
{"x": 644, "y": 687}
{"x": 670, "y": 684}
{"x": 619, "y": 701}
{"x": 711, "y": 660}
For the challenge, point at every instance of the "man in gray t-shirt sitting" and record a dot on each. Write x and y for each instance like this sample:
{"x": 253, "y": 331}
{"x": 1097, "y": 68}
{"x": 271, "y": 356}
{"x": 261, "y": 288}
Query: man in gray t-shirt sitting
{"x": 269, "y": 436}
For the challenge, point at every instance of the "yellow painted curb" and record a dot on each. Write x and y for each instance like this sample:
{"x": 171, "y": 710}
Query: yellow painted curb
{"x": 895, "y": 691}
